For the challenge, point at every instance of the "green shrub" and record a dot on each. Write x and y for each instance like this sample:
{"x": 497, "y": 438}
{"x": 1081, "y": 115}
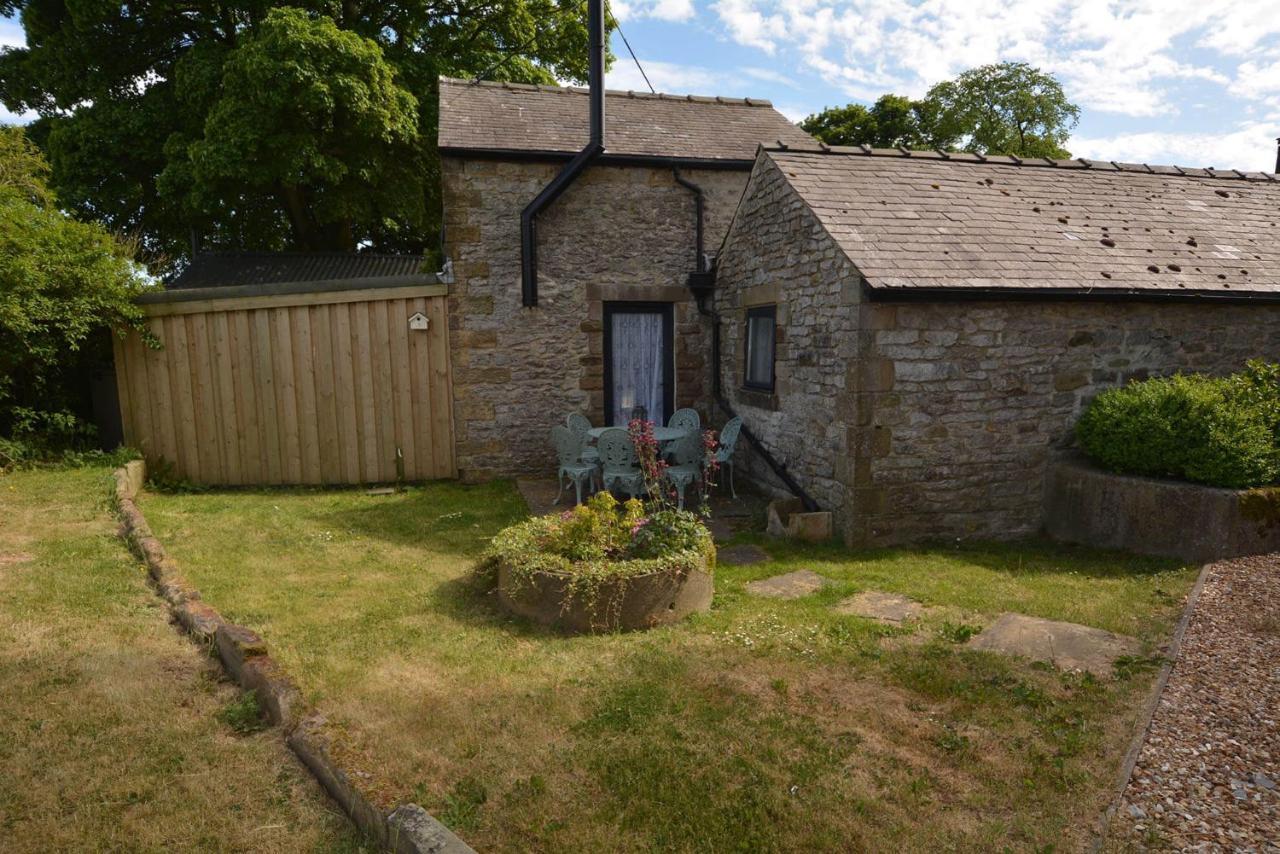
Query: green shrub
{"x": 1218, "y": 431}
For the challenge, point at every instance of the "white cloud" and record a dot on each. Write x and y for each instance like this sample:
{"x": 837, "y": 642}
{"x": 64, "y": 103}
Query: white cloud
{"x": 1251, "y": 147}
{"x": 11, "y": 34}
{"x": 663, "y": 10}
{"x": 677, "y": 79}
{"x": 1118, "y": 57}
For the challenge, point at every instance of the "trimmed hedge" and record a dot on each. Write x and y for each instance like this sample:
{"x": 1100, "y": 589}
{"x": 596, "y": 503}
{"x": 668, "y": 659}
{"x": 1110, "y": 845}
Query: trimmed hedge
{"x": 1222, "y": 431}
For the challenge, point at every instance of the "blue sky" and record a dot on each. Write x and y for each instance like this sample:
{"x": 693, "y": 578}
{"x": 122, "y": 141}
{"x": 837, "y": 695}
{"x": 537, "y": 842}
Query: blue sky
{"x": 1191, "y": 82}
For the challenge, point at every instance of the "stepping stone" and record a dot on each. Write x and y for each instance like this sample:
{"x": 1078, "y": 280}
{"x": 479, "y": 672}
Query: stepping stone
{"x": 884, "y": 607}
{"x": 1067, "y": 646}
{"x": 793, "y": 585}
{"x": 721, "y": 530}
{"x": 741, "y": 555}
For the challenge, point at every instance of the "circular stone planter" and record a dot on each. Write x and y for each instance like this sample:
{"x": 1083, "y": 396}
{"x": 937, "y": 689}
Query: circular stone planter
{"x": 621, "y": 604}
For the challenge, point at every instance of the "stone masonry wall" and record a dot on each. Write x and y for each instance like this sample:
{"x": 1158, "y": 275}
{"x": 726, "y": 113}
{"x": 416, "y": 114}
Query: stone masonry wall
{"x": 777, "y": 253}
{"x": 961, "y": 404}
{"x": 618, "y": 233}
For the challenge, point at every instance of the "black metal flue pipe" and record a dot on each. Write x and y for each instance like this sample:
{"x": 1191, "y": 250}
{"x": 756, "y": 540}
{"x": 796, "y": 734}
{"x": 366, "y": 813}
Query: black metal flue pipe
{"x": 572, "y": 169}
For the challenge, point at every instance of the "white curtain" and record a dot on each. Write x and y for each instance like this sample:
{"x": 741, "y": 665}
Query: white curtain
{"x": 637, "y": 365}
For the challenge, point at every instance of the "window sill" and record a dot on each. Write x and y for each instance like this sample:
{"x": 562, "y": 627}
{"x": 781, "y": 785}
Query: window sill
{"x": 759, "y": 398}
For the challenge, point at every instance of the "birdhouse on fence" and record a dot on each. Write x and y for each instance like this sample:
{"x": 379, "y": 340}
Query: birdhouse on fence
{"x": 419, "y": 321}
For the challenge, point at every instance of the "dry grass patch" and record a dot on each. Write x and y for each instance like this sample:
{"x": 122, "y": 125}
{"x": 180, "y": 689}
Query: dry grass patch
{"x": 760, "y": 726}
{"x": 110, "y": 737}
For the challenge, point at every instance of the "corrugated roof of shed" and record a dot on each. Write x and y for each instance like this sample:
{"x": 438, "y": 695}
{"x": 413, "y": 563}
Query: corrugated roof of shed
{"x": 517, "y": 117}
{"x": 932, "y": 221}
{"x": 228, "y": 269}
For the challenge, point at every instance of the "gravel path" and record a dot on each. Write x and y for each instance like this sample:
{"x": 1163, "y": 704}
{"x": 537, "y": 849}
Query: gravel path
{"x": 1208, "y": 776}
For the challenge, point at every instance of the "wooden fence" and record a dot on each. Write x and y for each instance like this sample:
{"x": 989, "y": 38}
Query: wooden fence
{"x": 332, "y": 387}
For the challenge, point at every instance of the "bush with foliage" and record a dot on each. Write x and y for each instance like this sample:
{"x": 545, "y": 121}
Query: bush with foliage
{"x": 1222, "y": 431}
{"x": 602, "y": 540}
{"x": 62, "y": 283}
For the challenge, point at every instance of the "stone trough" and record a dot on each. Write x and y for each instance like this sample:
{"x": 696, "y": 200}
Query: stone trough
{"x": 620, "y": 604}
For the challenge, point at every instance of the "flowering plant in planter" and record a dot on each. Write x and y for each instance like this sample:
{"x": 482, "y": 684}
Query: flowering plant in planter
{"x": 659, "y": 488}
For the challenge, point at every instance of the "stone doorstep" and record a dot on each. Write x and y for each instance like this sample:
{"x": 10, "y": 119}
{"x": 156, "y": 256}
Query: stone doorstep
{"x": 408, "y": 829}
{"x": 1067, "y": 646}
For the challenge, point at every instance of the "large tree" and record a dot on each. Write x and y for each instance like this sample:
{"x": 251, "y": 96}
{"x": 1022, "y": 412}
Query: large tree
{"x": 251, "y": 124}
{"x": 1006, "y": 108}
{"x": 61, "y": 283}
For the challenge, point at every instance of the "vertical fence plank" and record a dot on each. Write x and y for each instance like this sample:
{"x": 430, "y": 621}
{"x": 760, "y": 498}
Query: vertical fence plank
{"x": 305, "y": 389}
{"x": 252, "y": 467}
{"x": 323, "y": 381}
{"x": 420, "y": 378}
{"x": 264, "y": 371}
{"x": 165, "y": 431}
{"x": 286, "y": 394}
{"x": 362, "y": 365}
{"x": 345, "y": 393}
{"x": 384, "y": 400}
{"x": 398, "y": 312}
{"x": 225, "y": 397}
{"x": 441, "y": 390}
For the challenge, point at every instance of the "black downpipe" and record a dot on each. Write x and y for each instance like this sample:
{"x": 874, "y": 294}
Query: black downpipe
{"x": 567, "y": 175}
{"x": 780, "y": 469}
{"x": 699, "y": 202}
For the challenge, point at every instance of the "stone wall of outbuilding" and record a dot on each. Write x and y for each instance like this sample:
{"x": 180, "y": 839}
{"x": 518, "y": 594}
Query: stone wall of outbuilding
{"x": 969, "y": 401}
{"x": 618, "y": 233}
{"x": 777, "y": 253}
{"x": 936, "y": 420}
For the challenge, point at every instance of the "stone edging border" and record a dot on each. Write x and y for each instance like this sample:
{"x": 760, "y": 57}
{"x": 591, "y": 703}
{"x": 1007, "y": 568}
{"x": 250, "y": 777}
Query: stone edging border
{"x": 1149, "y": 712}
{"x": 408, "y": 829}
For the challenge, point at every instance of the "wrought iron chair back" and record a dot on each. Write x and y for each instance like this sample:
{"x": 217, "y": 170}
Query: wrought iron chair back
{"x": 685, "y": 419}
{"x": 617, "y": 452}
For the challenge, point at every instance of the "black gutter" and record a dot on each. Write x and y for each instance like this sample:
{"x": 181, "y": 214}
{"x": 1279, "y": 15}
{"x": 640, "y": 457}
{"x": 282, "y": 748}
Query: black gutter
{"x": 661, "y": 161}
{"x": 575, "y": 167}
{"x": 780, "y": 469}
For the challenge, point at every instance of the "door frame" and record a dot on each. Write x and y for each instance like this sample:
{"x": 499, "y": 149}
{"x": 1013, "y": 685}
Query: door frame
{"x": 667, "y": 311}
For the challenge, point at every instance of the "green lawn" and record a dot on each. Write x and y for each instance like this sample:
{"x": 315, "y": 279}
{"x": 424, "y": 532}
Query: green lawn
{"x": 760, "y": 726}
{"x": 113, "y": 727}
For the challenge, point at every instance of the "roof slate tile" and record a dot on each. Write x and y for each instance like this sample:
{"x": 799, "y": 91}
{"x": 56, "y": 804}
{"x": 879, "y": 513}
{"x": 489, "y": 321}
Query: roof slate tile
{"x": 515, "y": 117}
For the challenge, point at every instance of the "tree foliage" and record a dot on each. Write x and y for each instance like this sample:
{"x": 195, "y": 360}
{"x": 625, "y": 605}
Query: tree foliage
{"x": 1006, "y": 108}
{"x": 264, "y": 126}
{"x": 61, "y": 281}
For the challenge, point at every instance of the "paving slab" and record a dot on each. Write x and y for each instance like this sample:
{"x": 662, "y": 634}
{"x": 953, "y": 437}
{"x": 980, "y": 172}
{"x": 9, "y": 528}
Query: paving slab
{"x": 538, "y": 493}
{"x": 741, "y": 555}
{"x": 885, "y": 607}
{"x": 793, "y": 585}
{"x": 1067, "y": 646}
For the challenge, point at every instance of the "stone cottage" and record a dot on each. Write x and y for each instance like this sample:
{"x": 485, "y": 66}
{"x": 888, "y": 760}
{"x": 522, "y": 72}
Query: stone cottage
{"x": 915, "y": 333}
{"x": 616, "y": 323}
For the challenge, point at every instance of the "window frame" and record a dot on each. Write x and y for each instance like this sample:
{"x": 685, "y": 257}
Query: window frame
{"x": 755, "y": 312}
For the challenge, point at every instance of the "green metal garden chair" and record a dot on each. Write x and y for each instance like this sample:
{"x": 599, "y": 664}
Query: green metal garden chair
{"x": 569, "y": 454}
{"x": 728, "y": 442}
{"x": 619, "y": 465}
{"x": 686, "y": 464}
{"x": 685, "y": 419}
{"x": 580, "y": 425}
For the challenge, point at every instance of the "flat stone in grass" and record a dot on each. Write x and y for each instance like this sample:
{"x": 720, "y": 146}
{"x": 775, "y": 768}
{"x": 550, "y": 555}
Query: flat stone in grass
{"x": 1067, "y": 646}
{"x": 884, "y": 607}
{"x": 721, "y": 529}
{"x": 741, "y": 555}
{"x": 793, "y": 585}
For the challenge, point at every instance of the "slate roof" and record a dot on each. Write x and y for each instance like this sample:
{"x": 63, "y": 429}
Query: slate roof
{"x": 517, "y": 117}
{"x": 230, "y": 269}
{"x": 912, "y": 221}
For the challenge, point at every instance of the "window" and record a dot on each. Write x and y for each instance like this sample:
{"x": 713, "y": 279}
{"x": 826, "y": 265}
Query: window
{"x": 760, "y": 325}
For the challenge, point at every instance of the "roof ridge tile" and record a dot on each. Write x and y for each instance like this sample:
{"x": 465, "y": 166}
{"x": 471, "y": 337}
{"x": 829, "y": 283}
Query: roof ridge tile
{"x": 618, "y": 93}
{"x": 863, "y": 150}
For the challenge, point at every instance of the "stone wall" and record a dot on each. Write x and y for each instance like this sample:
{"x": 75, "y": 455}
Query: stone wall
{"x": 618, "y": 233}
{"x": 966, "y": 401}
{"x": 927, "y": 420}
{"x": 777, "y": 253}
